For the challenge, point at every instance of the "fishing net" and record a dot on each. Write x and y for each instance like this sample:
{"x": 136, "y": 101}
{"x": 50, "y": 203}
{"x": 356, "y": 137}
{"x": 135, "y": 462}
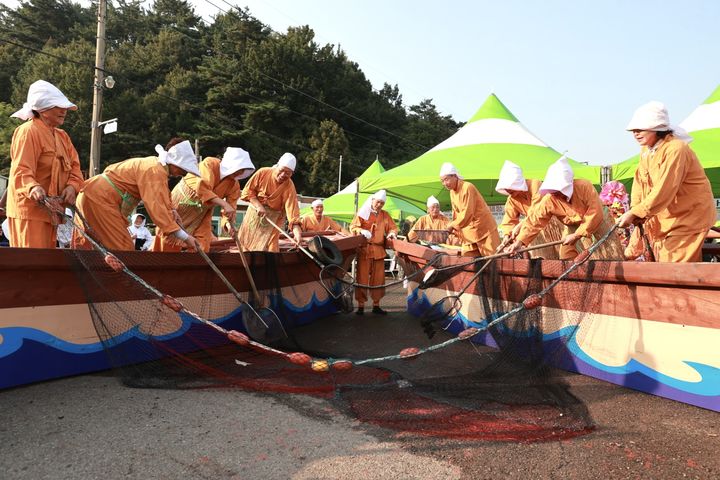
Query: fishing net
{"x": 488, "y": 372}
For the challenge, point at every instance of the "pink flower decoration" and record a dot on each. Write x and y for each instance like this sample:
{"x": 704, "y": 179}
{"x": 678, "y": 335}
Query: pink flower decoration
{"x": 613, "y": 192}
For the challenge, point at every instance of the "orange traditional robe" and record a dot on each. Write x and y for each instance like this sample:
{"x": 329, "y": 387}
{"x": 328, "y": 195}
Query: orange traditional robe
{"x": 583, "y": 215}
{"x": 671, "y": 191}
{"x": 192, "y": 198}
{"x": 472, "y": 217}
{"x": 519, "y": 204}
{"x": 310, "y": 223}
{"x": 107, "y": 199}
{"x": 371, "y": 257}
{"x": 427, "y": 222}
{"x": 280, "y": 198}
{"x": 44, "y": 156}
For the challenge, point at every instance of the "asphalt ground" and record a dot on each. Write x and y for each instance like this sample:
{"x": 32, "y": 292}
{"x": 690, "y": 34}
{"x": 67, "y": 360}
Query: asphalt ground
{"x": 94, "y": 427}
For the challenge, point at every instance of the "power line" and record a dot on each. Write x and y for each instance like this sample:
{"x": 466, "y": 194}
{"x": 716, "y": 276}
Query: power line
{"x": 193, "y": 106}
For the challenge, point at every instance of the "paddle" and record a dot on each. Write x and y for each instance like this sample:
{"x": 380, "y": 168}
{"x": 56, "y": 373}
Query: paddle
{"x": 262, "y": 324}
{"x": 340, "y": 275}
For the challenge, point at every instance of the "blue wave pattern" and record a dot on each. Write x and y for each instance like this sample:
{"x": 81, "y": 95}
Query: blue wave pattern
{"x": 709, "y": 386}
{"x": 29, "y": 355}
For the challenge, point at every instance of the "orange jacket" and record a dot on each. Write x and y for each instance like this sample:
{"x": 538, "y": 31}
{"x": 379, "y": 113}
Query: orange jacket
{"x": 44, "y": 156}
{"x": 671, "y": 191}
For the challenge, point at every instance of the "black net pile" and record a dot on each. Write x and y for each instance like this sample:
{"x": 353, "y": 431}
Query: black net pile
{"x": 503, "y": 387}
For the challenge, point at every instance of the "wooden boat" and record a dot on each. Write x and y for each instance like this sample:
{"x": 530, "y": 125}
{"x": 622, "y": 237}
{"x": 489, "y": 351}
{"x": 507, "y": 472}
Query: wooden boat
{"x": 653, "y": 328}
{"x": 46, "y": 330}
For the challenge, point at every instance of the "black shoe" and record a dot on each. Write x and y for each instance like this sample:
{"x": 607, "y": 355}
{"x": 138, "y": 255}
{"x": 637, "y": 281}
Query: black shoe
{"x": 378, "y": 311}
{"x": 360, "y": 311}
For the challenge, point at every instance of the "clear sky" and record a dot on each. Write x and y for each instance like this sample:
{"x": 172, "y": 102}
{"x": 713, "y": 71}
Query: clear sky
{"x": 572, "y": 71}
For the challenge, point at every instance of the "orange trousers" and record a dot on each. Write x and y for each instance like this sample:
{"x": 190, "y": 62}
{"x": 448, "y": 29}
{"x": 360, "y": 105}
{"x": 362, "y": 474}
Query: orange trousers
{"x": 370, "y": 272}
{"x": 680, "y": 248}
{"x": 32, "y": 233}
{"x": 483, "y": 248}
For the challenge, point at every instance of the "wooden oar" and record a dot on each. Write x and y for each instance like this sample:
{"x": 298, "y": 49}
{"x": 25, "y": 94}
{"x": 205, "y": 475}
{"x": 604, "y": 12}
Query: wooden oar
{"x": 220, "y": 275}
{"x": 317, "y": 262}
{"x": 247, "y": 267}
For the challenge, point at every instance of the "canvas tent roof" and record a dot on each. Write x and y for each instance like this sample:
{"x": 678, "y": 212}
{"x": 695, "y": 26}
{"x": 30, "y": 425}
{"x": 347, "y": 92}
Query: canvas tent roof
{"x": 478, "y": 150}
{"x": 703, "y": 125}
{"x": 341, "y": 206}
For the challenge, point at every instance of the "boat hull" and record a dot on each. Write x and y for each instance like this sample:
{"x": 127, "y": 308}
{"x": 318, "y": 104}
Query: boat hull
{"x": 47, "y": 331}
{"x": 648, "y": 326}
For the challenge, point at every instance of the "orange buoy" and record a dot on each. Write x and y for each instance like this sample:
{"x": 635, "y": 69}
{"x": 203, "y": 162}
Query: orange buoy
{"x": 533, "y": 301}
{"x": 113, "y": 262}
{"x": 409, "y": 352}
{"x": 342, "y": 365}
{"x": 238, "y": 337}
{"x": 172, "y": 303}
{"x": 299, "y": 358}
{"x": 468, "y": 333}
{"x": 582, "y": 256}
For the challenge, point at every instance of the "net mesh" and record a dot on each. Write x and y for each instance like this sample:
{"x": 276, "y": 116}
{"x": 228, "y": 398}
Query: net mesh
{"x": 501, "y": 385}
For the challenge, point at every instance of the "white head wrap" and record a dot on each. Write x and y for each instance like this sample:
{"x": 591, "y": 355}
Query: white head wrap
{"x": 6, "y": 228}
{"x": 432, "y": 201}
{"x": 448, "y": 168}
{"x": 235, "y": 159}
{"x": 41, "y": 96}
{"x": 134, "y": 217}
{"x": 316, "y": 203}
{"x": 559, "y": 178}
{"x": 364, "y": 211}
{"x": 510, "y": 178}
{"x": 180, "y": 155}
{"x": 654, "y": 116}
{"x": 287, "y": 160}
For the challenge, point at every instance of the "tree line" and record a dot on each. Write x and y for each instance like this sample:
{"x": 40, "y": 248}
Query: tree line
{"x": 229, "y": 82}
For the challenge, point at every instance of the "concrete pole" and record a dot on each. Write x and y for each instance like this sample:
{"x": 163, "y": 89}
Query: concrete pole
{"x": 95, "y": 133}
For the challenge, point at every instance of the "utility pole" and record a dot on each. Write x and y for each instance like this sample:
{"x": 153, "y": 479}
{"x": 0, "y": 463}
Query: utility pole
{"x": 340, "y": 175}
{"x": 95, "y": 135}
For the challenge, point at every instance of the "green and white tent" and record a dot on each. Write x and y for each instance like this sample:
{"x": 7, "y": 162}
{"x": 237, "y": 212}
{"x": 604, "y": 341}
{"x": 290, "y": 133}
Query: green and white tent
{"x": 703, "y": 125}
{"x": 478, "y": 150}
{"x": 341, "y": 206}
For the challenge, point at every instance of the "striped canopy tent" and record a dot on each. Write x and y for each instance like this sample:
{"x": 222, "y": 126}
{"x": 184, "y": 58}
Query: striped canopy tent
{"x": 341, "y": 206}
{"x": 478, "y": 150}
{"x": 703, "y": 125}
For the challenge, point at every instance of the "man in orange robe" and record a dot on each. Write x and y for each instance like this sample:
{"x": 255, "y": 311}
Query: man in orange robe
{"x": 522, "y": 195}
{"x": 317, "y": 222}
{"x": 271, "y": 192}
{"x": 375, "y": 224}
{"x": 575, "y": 203}
{"x": 107, "y": 200}
{"x": 472, "y": 221}
{"x": 194, "y": 198}
{"x": 434, "y": 220}
{"x": 43, "y": 162}
{"x": 671, "y": 193}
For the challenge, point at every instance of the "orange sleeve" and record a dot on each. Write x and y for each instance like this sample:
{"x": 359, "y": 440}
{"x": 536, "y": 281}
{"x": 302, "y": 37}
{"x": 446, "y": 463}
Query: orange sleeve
{"x": 538, "y": 218}
{"x": 155, "y": 194}
{"x": 233, "y": 194}
{"x": 75, "y": 179}
{"x": 465, "y": 208}
{"x": 511, "y": 216}
{"x": 667, "y": 177}
{"x": 208, "y": 180}
{"x": 292, "y": 212}
{"x": 251, "y": 187}
{"x": 25, "y": 149}
{"x": 390, "y": 226}
{"x": 593, "y": 216}
{"x": 356, "y": 225}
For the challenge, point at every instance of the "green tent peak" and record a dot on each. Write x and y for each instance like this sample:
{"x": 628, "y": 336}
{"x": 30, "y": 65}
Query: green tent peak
{"x": 714, "y": 97}
{"x": 493, "y": 108}
{"x": 373, "y": 170}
